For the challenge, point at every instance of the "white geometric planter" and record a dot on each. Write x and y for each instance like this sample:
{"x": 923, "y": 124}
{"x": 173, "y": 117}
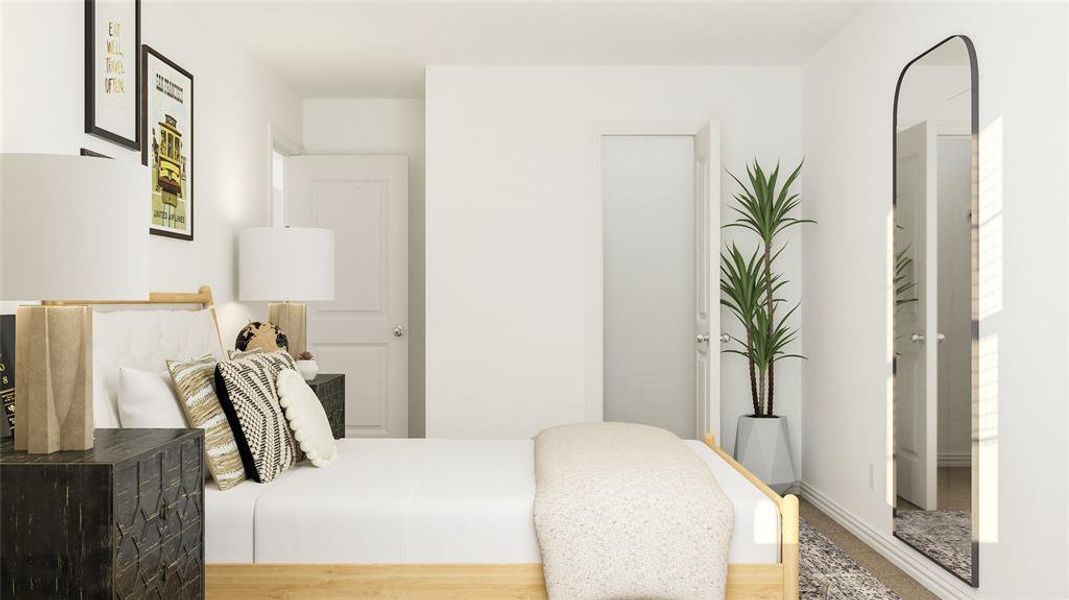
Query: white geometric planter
{"x": 763, "y": 447}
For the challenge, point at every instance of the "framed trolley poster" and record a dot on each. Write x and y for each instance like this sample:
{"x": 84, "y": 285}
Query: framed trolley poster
{"x": 167, "y": 131}
{"x": 112, "y": 39}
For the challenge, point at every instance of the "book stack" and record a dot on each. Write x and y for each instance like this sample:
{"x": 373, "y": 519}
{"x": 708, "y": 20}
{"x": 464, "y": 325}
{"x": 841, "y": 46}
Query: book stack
{"x": 7, "y": 374}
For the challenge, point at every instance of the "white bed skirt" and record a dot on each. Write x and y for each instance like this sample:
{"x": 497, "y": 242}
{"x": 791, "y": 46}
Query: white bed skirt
{"x": 423, "y": 501}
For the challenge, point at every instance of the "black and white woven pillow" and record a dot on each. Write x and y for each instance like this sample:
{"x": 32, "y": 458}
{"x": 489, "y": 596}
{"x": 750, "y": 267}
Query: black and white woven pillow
{"x": 249, "y": 398}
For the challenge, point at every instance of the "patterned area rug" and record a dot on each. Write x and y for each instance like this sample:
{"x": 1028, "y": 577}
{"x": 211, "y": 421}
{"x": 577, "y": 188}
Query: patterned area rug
{"x": 943, "y": 535}
{"x": 829, "y": 574}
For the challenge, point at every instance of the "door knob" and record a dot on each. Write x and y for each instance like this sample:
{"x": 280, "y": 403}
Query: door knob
{"x": 916, "y": 337}
{"x": 725, "y": 338}
{"x": 702, "y": 338}
{"x": 398, "y": 331}
{"x": 940, "y": 337}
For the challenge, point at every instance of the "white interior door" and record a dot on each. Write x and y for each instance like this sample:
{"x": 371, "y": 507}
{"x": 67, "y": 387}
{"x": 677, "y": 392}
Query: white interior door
{"x": 706, "y": 279}
{"x": 363, "y": 331}
{"x": 915, "y": 354}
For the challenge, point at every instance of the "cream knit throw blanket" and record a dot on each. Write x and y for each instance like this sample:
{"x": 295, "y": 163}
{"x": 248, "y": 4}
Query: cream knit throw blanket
{"x": 628, "y": 511}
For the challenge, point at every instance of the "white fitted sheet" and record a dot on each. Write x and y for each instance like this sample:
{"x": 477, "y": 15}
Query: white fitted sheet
{"x": 423, "y": 501}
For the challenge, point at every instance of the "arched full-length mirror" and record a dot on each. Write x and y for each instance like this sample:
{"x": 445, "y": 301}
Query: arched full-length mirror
{"x": 934, "y": 278}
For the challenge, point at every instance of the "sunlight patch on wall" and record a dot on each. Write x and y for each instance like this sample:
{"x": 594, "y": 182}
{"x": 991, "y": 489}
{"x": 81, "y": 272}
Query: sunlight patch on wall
{"x": 987, "y": 441}
{"x": 990, "y": 217}
{"x": 989, "y": 298}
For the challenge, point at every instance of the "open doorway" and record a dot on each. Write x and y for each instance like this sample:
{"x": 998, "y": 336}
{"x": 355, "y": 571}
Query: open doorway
{"x": 648, "y": 192}
{"x": 654, "y": 235}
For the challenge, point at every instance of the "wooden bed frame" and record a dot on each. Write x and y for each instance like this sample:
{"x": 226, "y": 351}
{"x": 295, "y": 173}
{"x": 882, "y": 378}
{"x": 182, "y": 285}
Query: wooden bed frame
{"x": 776, "y": 581}
{"x": 757, "y": 581}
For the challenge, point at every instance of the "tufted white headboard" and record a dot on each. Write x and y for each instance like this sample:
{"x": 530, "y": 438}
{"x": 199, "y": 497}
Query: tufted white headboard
{"x": 144, "y": 335}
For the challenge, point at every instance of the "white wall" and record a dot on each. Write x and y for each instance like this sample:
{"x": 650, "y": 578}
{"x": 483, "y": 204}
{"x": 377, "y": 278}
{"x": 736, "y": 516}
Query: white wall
{"x": 384, "y": 126}
{"x": 848, "y": 90}
{"x": 507, "y": 173}
{"x": 235, "y": 98}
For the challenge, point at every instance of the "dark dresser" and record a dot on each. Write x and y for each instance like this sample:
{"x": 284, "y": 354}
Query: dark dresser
{"x": 330, "y": 388}
{"x": 122, "y": 520}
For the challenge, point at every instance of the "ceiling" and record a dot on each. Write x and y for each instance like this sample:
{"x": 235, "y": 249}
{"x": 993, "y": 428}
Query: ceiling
{"x": 379, "y": 49}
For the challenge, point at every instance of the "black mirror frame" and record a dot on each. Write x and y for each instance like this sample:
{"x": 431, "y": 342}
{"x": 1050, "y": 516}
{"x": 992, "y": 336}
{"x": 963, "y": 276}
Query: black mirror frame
{"x": 974, "y": 128}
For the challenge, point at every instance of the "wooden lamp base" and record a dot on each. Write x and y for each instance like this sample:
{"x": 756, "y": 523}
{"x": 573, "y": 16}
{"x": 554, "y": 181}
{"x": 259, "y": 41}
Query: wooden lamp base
{"x": 292, "y": 319}
{"x": 54, "y": 386}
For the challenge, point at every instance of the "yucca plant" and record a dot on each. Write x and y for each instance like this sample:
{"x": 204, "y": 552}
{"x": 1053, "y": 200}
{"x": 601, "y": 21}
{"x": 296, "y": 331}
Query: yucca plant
{"x": 904, "y": 283}
{"x": 749, "y": 285}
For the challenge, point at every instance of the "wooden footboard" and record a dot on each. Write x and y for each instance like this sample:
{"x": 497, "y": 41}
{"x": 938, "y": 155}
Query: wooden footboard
{"x": 788, "y": 518}
{"x": 329, "y": 582}
{"x": 777, "y": 581}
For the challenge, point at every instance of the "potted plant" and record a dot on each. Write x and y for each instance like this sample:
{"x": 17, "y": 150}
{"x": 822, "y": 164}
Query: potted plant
{"x": 751, "y": 287}
{"x": 307, "y": 365}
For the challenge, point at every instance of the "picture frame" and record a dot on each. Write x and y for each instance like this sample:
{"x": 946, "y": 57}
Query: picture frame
{"x": 94, "y": 154}
{"x": 112, "y": 71}
{"x": 167, "y": 110}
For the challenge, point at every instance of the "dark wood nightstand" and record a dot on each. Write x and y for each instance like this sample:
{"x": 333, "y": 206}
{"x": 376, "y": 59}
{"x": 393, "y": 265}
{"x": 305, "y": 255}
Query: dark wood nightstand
{"x": 122, "y": 520}
{"x": 330, "y": 388}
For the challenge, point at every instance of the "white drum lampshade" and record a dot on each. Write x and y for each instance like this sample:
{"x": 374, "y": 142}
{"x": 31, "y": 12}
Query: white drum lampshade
{"x": 71, "y": 228}
{"x": 288, "y": 264}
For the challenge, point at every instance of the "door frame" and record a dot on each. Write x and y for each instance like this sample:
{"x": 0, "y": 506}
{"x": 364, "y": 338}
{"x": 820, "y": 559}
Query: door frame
{"x": 595, "y": 256}
{"x": 276, "y": 142}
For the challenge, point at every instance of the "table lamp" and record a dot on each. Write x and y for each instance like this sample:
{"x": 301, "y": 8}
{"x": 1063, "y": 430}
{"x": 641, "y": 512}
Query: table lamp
{"x": 72, "y": 229}
{"x": 287, "y": 266}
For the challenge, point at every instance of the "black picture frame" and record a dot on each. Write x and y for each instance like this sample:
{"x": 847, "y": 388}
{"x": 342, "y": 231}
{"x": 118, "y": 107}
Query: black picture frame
{"x": 149, "y": 141}
{"x": 88, "y": 152}
{"x": 91, "y": 125}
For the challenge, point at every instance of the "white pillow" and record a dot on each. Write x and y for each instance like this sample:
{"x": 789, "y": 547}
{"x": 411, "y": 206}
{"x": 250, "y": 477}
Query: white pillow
{"x": 306, "y": 417}
{"x": 147, "y": 401}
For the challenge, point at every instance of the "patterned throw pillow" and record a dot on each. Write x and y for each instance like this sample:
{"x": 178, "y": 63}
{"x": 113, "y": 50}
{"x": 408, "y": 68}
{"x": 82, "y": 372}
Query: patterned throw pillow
{"x": 249, "y": 397}
{"x": 195, "y": 383}
{"x": 236, "y": 354}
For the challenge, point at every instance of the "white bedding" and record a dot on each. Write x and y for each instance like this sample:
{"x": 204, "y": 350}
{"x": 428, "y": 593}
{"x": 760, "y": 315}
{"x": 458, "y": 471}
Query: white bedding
{"x": 423, "y": 501}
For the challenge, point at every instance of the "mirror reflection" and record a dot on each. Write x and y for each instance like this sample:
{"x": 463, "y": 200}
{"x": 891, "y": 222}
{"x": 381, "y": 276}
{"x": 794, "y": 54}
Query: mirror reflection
{"x": 934, "y": 276}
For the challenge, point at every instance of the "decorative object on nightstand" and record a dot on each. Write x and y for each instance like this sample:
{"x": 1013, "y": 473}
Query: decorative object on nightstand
{"x": 73, "y": 227}
{"x": 307, "y": 365}
{"x": 330, "y": 389}
{"x": 291, "y": 264}
{"x": 261, "y": 336}
{"x": 123, "y": 520}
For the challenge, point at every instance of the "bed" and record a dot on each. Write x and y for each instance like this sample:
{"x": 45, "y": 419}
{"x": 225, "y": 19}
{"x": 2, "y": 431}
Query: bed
{"x": 402, "y": 518}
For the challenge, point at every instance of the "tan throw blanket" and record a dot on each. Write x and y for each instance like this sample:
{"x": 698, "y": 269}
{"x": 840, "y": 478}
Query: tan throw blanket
{"x": 628, "y": 511}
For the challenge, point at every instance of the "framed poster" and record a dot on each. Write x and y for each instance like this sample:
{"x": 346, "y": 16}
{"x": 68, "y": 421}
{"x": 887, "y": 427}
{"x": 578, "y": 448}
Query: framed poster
{"x": 88, "y": 152}
{"x": 112, "y": 39}
{"x": 167, "y": 130}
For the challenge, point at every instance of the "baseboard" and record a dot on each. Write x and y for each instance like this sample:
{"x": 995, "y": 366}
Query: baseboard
{"x": 955, "y": 459}
{"x": 935, "y": 578}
